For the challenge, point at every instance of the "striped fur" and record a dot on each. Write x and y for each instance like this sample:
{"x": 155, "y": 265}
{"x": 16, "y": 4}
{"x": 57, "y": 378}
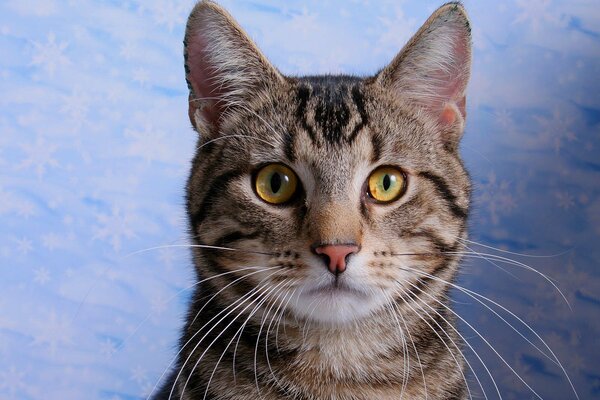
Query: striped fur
{"x": 259, "y": 326}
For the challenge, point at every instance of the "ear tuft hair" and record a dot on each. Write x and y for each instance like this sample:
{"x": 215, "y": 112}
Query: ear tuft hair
{"x": 433, "y": 68}
{"x": 223, "y": 66}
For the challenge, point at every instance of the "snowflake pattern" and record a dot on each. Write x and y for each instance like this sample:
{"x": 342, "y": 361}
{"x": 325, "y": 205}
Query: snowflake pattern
{"x": 50, "y": 55}
{"x": 95, "y": 143}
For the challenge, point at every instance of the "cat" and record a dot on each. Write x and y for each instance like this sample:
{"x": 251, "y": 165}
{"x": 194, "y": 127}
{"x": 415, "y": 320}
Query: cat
{"x": 327, "y": 215}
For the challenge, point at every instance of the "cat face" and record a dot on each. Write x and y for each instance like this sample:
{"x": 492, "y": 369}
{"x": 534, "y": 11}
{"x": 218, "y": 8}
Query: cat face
{"x": 333, "y": 191}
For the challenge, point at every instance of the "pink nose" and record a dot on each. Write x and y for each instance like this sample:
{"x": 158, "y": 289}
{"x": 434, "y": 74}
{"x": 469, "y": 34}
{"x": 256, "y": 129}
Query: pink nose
{"x": 336, "y": 254}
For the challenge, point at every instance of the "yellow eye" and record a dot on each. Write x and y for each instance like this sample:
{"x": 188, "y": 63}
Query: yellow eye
{"x": 276, "y": 183}
{"x": 386, "y": 184}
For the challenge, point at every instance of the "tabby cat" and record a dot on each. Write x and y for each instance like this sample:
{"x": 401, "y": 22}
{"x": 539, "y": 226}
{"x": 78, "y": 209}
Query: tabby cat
{"x": 327, "y": 214}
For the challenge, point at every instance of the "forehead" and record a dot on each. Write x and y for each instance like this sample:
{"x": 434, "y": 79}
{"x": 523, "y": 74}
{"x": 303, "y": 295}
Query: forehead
{"x": 331, "y": 127}
{"x": 330, "y": 120}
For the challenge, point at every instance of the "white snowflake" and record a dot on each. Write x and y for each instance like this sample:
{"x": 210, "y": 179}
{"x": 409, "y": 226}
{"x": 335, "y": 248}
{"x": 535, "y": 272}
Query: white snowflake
{"x": 158, "y": 304}
{"x": 52, "y": 241}
{"x": 141, "y": 76}
{"x": 12, "y": 380}
{"x": 151, "y": 144}
{"x": 556, "y": 129}
{"x": 108, "y": 347}
{"x": 49, "y": 55}
{"x": 52, "y": 331}
{"x": 304, "y": 22}
{"x": 76, "y": 107}
{"x": 565, "y": 200}
{"x": 138, "y": 375}
{"x": 167, "y": 256}
{"x": 497, "y": 197}
{"x": 114, "y": 227}
{"x": 128, "y": 50}
{"x": 35, "y": 8}
{"x": 42, "y": 275}
{"x": 24, "y": 246}
{"x": 504, "y": 119}
{"x": 39, "y": 155}
{"x": 167, "y": 12}
{"x": 397, "y": 29}
{"x": 11, "y": 204}
{"x": 534, "y": 12}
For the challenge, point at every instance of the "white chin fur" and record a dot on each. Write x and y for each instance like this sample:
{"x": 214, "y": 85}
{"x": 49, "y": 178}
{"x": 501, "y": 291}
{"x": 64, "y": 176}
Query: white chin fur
{"x": 334, "y": 307}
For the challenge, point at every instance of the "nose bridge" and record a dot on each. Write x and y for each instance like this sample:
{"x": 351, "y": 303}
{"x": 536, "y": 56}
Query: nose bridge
{"x": 335, "y": 222}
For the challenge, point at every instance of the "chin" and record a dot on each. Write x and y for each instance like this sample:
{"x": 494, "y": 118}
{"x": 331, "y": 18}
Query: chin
{"x": 335, "y": 306}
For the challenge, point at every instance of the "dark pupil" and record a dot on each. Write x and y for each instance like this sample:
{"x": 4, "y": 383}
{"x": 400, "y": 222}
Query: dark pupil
{"x": 387, "y": 182}
{"x": 275, "y": 182}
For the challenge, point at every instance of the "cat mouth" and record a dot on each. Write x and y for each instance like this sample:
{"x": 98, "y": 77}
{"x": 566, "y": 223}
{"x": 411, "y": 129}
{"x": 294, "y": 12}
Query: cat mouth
{"x": 336, "y": 287}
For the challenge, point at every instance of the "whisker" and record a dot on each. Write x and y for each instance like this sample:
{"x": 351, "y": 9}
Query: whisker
{"x": 256, "y": 346}
{"x": 406, "y": 355}
{"x": 492, "y": 262}
{"x": 494, "y": 257}
{"x": 147, "y": 317}
{"x": 414, "y": 348}
{"x": 451, "y": 340}
{"x": 230, "y": 284}
{"x": 482, "y": 338}
{"x": 519, "y": 264}
{"x": 240, "y": 331}
{"x": 239, "y": 302}
{"x": 291, "y": 294}
{"x": 279, "y": 319}
{"x": 174, "y": 359}
{"x": 233, "y": 136}
{"x": 260, "y": 296}
{"x": 202, "y": 246}
{"x": 515, "y": 253}
{"x": 476, "y": 295}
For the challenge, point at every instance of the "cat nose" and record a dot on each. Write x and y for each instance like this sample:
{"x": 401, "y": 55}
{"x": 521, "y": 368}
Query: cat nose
{"x": 336, "y": 255}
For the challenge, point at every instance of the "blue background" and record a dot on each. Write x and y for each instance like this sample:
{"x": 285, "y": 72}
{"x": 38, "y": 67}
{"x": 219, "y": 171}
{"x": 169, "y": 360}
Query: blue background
{"x": 95, "y": 146}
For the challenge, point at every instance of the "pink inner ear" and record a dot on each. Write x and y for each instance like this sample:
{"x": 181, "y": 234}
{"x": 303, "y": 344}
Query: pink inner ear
{"x": 448, "y": 115}
{"x": 202, "y": 77}
{"x": 452, "y": 82}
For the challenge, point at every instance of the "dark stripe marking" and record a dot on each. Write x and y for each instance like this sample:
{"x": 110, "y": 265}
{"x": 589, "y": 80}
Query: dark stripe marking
{"x": 232, "y": 237}
{"x": 358, "y": 98}
{"x": 216, "y": 188}
{"x": 333, "y": 117}
{"x": 446, "y": 194}
{"x": 303, "y": 96}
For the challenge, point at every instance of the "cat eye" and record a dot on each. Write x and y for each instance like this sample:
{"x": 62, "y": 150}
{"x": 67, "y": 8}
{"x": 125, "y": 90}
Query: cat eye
{"x": 386, "y": 184}
{"x": 275, "y": 183}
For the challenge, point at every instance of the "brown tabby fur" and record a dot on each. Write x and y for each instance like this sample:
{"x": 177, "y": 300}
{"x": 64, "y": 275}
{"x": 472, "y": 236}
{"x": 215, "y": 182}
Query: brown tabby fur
{"x": 391, "y": 338}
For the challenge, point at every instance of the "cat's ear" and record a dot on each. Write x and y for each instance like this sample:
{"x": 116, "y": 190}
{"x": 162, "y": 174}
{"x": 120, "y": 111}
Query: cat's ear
{"x": 433, "y": 68}
{"x": 224, "y": 68}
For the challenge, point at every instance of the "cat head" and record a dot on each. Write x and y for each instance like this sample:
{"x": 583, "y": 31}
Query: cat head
{"x": 338, "y": 193}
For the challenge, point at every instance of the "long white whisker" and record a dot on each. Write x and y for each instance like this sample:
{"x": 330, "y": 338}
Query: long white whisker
{"x": 451, "y": 340}
{"x": 406, "y": 355}
{"x": 486, "y": 342}
{"x": 233, "y": 136}
{"x": 261, "y": 295}
{"x": 257, "y": 343}
{"x": 414, "y": 348}
{"x": 201, "y": 246}
{"x": 509, "y": 261}
{"x": 228, "y": 285}
{"x": 288, "y": 296}
{"x": 474, "y": 295}
{"x": 195, "y": 334}
{"x": 147, "y": 317}
{"x": 239, "y": 331}
{"x": 512, "y": 252}
{"x": 245, "y": 297}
